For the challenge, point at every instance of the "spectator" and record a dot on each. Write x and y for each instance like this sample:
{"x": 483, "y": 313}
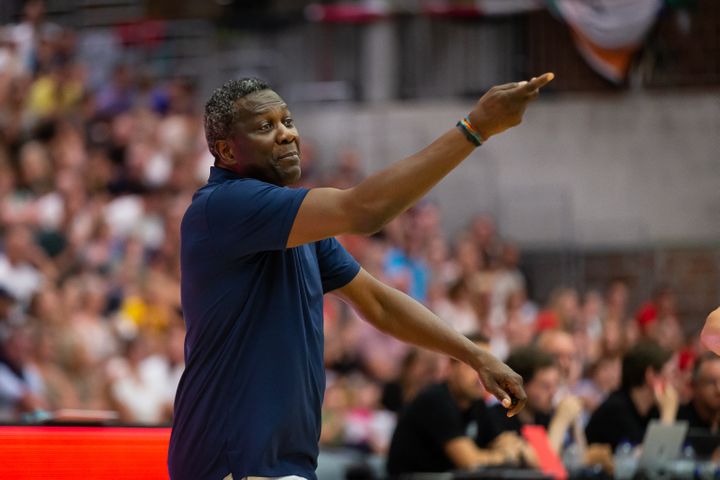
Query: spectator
{"x": 508, "y": 280}
{"x": 138, "y": 387}
{"x": 31, "y": 32}
{"x": 58, "y": 389}
{"x": 601, "y": 379}
{"x": 541, "y": 378}
{"x": 88, "y": 381}
{"x": 419, "y": 368}
{"x": 703, "y": 411}
{"x": 366, "y": 427}
{"x": 515, "y": 328}
{"x": 619, "y": 332}
{"x": 7, "y": 310}
{"x": 457, "y": 309}
{"x": 21, "y": 385}
{"x": 658, "y": 320}
{"x": 645, "y": 393}
{"x": 562, "y": 311}
{"x": 441, "y": 428}
{"x": 19, "y": 272}
{"x": 562, "y": 347}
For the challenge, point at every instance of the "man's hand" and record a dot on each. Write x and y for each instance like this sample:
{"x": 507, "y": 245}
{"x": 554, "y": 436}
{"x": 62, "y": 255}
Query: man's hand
{"x": 503, "y": 106}
{"x": 501, "y": 381}
{"x": 599, "y": 454}
{"x": 510, "y": 445}
{"x": 667, "y": 400}
{"x": 568, "y": 410}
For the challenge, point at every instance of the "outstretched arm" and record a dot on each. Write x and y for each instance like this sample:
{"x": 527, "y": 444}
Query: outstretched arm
{"x": 365, "y": 208}
{"x": 710, "y": 335}
{"x": 396, "y": 314}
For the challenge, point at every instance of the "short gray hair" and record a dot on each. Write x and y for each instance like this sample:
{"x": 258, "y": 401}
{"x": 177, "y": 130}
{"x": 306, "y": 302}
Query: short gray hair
{"x": 221, "y": 112}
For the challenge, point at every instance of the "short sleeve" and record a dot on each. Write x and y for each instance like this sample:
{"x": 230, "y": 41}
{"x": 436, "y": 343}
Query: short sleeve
{"x": 248, "y": 216}
{"x": 337, "y": 266}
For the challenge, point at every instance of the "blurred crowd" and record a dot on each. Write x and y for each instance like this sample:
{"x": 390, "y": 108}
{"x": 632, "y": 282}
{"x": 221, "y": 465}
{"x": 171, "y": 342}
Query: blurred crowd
{"x": 94, "y": 180}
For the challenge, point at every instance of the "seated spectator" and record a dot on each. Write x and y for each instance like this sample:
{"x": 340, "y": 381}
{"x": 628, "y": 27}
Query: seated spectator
{"x": 58, "y": 389}
{"x": 561, "y": 346}
{"x": 7, "y": 310}
{"x": 21, "y": 386}
{"x": 516, "y": 325}
{"x": 562, "y": 310}
{"x": 137, "y": 386}
{"x": 658, "y": 319}
{"x": 419, "y": 368}
{"x": 19, "y": 274}
{"x": 703, "y": 411}
{"x": 645, "y": 393}
{"x": 619, "y": 330}
{"x": 541, "y": 378}
{"x": 457, "y": 309}
{"x": 441, "y": 428}
{"x": 601, "y": 379}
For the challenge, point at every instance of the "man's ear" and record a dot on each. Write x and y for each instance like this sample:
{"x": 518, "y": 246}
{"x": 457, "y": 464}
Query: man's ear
{"x": 227, "y": 157}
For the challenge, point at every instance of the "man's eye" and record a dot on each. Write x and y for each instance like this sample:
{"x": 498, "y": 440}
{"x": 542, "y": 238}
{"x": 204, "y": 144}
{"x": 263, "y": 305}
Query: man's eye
{"x": 265, "y": 127}
{"x": 288, "y": 122}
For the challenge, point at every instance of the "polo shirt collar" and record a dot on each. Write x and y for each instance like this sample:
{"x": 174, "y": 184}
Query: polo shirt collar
{"x": 219, "y": 175}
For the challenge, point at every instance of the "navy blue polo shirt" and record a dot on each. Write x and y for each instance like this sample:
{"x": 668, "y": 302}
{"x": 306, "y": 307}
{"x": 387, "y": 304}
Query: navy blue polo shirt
{"x": 249, "y": 400}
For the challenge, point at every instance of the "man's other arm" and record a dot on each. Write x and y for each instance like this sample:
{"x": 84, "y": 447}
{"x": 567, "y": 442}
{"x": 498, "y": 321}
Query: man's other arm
{"x": 396, "y": 314}
{"x": 367, "y": 207}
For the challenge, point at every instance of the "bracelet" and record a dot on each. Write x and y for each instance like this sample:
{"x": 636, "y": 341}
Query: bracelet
{"x": 469, "y": 131}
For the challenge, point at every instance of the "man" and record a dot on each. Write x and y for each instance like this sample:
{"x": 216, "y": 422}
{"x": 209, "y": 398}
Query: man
{"x": 443, "y": 427}
{"x": 703, "y": 411}
{"x": 561, "y": 346}
{"x": 257, "y": 258}
{"x": 645, "y": 393}
{"x": 541, "y": 379}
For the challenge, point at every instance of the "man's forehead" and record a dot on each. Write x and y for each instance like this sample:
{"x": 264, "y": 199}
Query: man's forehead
{"x": 260, "y": 102}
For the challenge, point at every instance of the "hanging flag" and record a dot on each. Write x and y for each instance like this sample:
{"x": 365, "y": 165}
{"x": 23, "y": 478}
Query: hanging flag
{"x": 608, "y": 33}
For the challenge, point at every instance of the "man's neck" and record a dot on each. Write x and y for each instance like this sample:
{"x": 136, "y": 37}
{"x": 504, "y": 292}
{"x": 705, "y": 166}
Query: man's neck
{"x": 643, "y": 399}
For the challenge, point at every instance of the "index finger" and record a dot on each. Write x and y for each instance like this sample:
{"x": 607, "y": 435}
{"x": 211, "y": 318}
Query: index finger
{"x": 539, "y": 82}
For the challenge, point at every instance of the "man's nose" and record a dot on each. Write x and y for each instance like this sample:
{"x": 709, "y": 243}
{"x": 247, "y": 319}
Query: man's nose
{"x": 285, "y": 134}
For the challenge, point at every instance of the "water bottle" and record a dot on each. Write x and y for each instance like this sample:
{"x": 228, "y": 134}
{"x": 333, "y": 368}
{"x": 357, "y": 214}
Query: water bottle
{"x": 572, "y": 458}
{"x": 625, "y": 461}
{"x": 684, "y": 467}
{"x": 707, "y": 470}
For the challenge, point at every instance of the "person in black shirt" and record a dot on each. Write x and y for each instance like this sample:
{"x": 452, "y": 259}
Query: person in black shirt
{"x": 703, "y": 412}
{"x": 541, "y": 378}
{"x": 645, "y": 393}
{"x": 441, "y": 428}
